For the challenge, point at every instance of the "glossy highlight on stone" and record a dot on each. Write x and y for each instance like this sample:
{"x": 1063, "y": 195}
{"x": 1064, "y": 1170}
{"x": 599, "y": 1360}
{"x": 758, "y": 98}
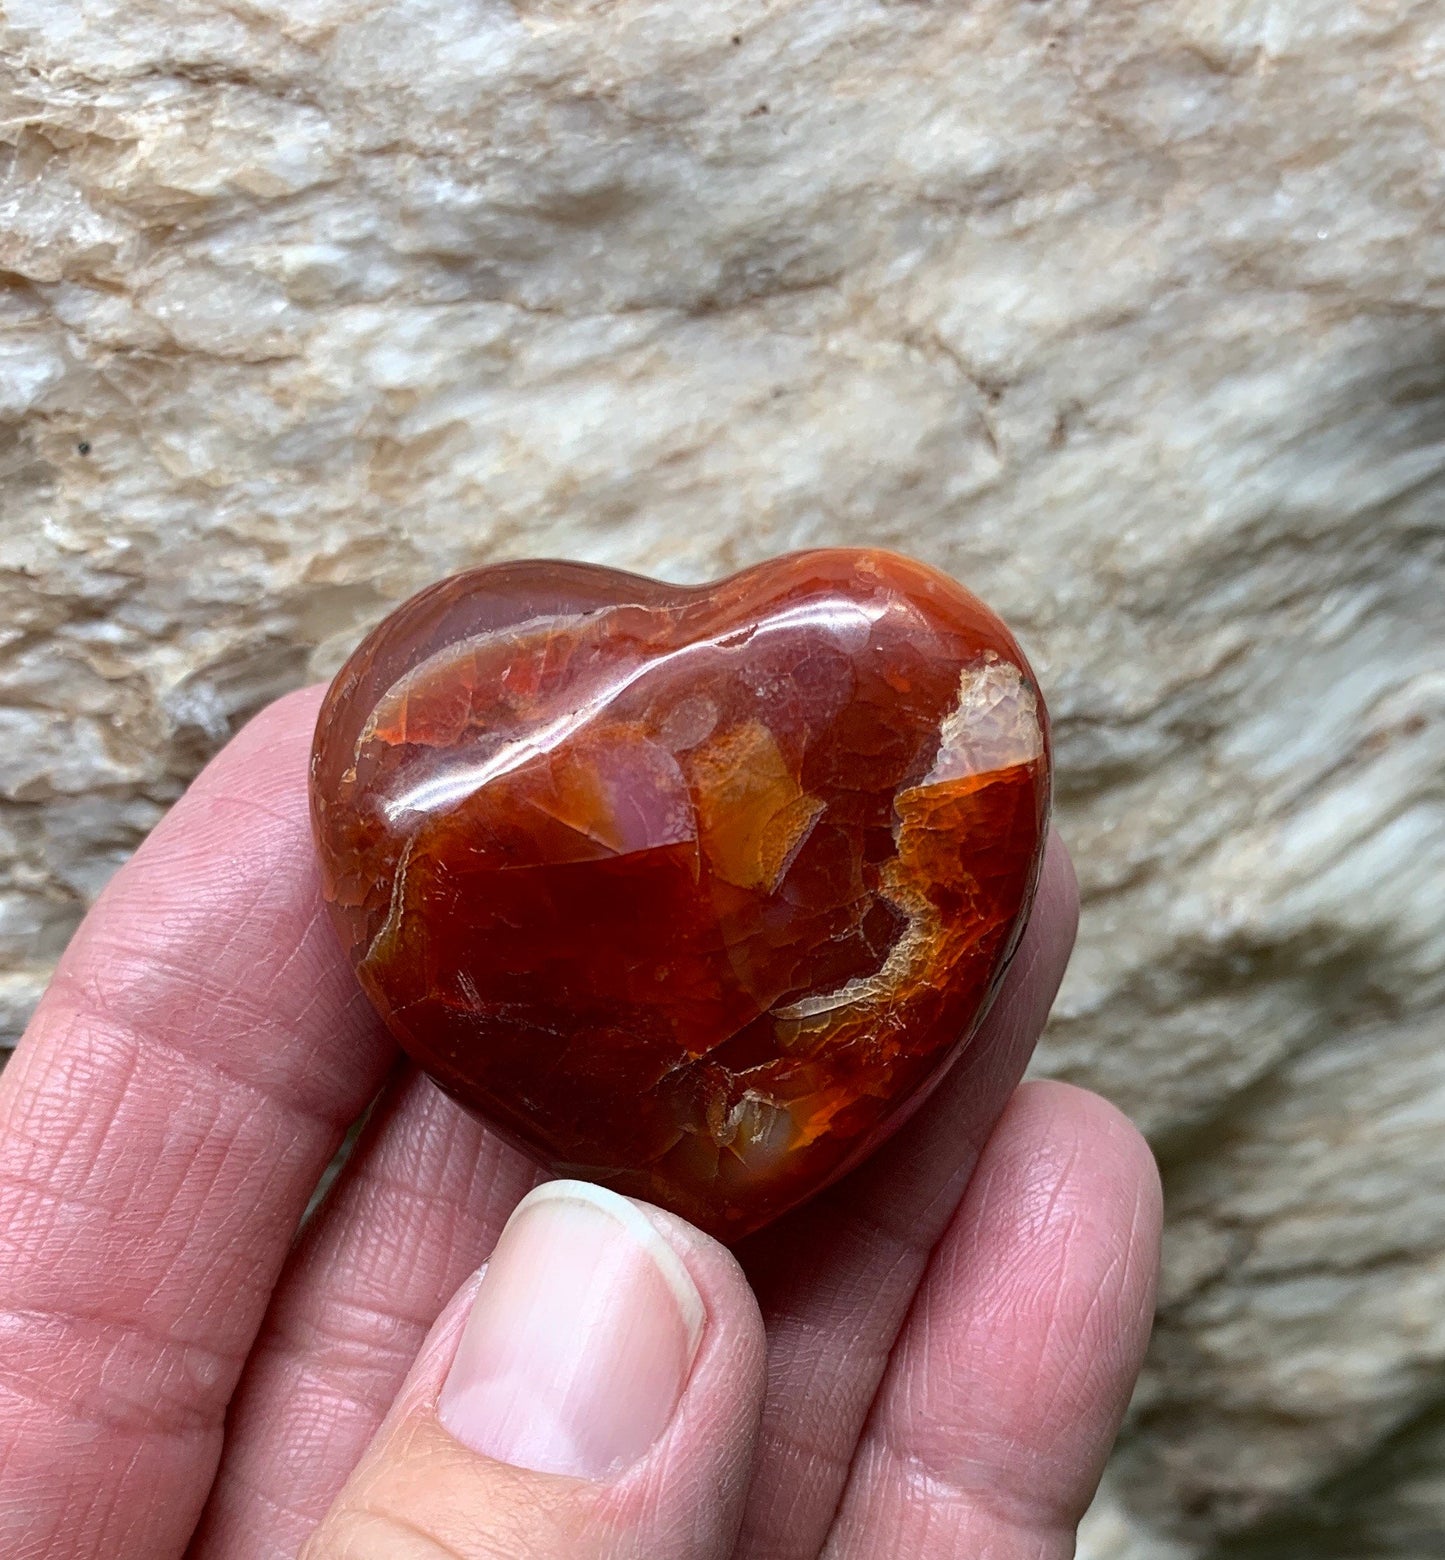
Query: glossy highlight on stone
{"x": 693, "y": 891}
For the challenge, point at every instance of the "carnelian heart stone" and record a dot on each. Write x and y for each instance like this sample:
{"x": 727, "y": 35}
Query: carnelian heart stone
{"x": 695, "y": 892}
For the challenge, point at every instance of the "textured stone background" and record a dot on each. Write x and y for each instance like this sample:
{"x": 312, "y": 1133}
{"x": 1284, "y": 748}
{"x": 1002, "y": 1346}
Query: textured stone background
{"x": 1129, "y": 314}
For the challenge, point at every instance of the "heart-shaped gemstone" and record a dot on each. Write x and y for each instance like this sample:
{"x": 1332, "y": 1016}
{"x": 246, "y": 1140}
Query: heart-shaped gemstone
{"x": 694, "y": 891}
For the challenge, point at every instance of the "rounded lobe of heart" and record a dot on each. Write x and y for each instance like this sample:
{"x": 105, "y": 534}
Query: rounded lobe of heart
{"x": 693, "y": 891}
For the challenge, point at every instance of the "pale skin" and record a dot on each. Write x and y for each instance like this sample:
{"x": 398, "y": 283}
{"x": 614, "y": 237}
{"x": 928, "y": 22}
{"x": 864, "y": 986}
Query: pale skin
{"x": 931, "y": 1360}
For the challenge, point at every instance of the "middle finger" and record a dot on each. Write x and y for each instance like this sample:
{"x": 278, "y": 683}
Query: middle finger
{"x": 835, "y": 1279}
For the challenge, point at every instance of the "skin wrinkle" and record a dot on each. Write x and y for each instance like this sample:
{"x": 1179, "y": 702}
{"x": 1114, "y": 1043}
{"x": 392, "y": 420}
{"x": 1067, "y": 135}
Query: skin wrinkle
{"x": 58, "y": 1497}
{"x": 314, "y": 1397}
{"x": 61, "y": 1407}
{"x": 98, "y": 1515}
{"x": 374, "y": 1535}
{"x": 1101, "y": 1339}
{"x": 924, "y": 1529}
{"x": 401, "y": 1206}
{"x": 887, "y": 1241}
{"x": 315, "y": 1387}
{"x": 224, "y": 801}
{"x": 989, "y": 1449}
{"x": 120, "y": 1213}
{"x": 14, "y": 1241}
{"x": 172, "y": 926}
{"x": 71, "y": 1104}
{"x": 421, "y": 1221}
{"x": 212, "y": 1362}
{"x": 198, "y": 1142}
{"x": 1057, "y": 1353}
{"x": 817, "y": 1456}
{"x": 346, "y": 1333}
{"x": 273, "y": 1091}
{"x": 343, "y": 1362}
{"x": 1013, "y": 1512}
{"x": 266, "y": 1010}
{"x": 289, "y": 1514}
{"x": 1043, "y": 1299}
{"x": 285, "y": 1091}
{"x": 1083, "y": 1354}
{"x": 1137, "y": 1225}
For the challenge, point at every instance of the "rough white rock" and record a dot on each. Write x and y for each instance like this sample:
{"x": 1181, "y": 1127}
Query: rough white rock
{"x": 1128, "y": 314}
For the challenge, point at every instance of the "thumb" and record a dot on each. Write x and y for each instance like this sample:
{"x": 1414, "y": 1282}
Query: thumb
{"x": 592, "y": 1394}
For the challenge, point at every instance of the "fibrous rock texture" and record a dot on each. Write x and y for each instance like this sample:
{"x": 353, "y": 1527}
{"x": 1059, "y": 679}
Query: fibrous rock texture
{"x": 1127, "y": 315}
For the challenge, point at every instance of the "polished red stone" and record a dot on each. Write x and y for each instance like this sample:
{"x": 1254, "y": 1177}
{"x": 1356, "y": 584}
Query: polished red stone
{"x": 692, "y": 891}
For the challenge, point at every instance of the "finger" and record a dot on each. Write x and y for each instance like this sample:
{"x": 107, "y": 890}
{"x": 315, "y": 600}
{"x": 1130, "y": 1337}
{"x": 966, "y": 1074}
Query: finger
{"x": 420, "y": 1202}
{"x": 835, "y": 1280}
{"x": 184, "y": 1082}
{"x": 597, "y": 1402}
{"x": 1007, "y": 1387}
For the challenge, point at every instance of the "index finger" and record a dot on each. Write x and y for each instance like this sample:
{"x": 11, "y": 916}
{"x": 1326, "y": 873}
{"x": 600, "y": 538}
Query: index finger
{"x": 191, "y": 1070}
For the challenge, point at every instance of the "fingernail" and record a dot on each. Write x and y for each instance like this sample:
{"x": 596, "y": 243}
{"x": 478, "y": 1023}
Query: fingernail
{"x": 579, "y": 1341}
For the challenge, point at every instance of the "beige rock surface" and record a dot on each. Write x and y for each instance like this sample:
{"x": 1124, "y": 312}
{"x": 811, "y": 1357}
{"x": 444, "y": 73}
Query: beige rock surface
{"x": 1130, "y": 315}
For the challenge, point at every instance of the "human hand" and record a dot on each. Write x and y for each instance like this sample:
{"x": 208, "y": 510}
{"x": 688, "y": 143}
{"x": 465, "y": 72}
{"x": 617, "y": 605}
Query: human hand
{"x": 928, "y": 1360}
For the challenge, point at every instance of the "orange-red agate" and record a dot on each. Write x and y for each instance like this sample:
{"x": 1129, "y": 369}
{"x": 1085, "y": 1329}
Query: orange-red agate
{"x": 693, "y": 891}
